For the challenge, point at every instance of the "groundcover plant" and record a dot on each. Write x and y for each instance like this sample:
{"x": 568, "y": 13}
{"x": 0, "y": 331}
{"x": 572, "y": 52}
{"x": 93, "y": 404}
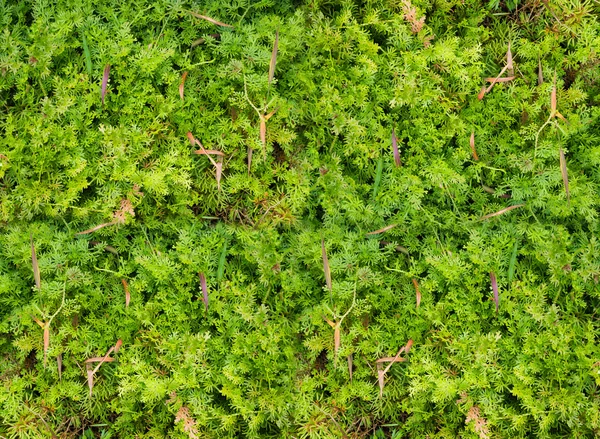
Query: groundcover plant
{"x": 299, "y": 219}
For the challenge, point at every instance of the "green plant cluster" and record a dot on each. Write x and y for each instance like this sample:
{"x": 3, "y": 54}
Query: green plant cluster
{"x": 259, "y": 359}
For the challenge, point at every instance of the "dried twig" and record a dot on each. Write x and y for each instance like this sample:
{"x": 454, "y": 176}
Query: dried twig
{"x": 382, "y": 230}
{"x": 274, "y": 57}
{"x": 472, "y": 145}
{"x": 326, "y": 268}
{"x": 500, "y": 212}
{"x": 418, "y": 292}
{"x": 210, "y": 20}
{"x": 204, "y": 290}
{"x": 182, "y": 84}
{"x": 391, "y": 360}
{"x": 46, "y": 325}
{"x": 565, "y": 175}
{"x": 395, "y": 148}
{"x": 105, "y": 81}
{"x": 338, "y": 325}
{"x": 553, "y": 114}
{"x": 36, "y": 267}
{"x": 495, "y": 290}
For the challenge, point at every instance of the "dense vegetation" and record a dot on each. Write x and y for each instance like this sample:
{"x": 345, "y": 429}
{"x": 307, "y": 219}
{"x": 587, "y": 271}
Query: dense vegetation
{"x": 216, "y": 296}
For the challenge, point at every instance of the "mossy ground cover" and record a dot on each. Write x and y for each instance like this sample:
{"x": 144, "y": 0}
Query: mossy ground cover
{"x": 216, "y": 217}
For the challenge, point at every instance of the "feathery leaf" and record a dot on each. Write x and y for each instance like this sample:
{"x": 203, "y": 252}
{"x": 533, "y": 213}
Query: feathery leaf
{"x": 88, "y": 56}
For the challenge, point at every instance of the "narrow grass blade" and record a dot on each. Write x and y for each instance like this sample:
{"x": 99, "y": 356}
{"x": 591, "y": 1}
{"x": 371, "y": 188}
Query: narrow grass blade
{"x": 210, "y": 20}
{"x": 500, "y": 212}
{"x": 127, "y": 294}
{"x": 378, "y": 175}
{"x": 88, "y": 56}
{"x": 416, "y": 284}
{"x": 105, "y": 81}
{"x": 221, "y": 267}
{"x": 350, "y": 369}
{"x": 540, "y": 73}
{"x": 93, "y": 229}
{"x": 204, "y": 290}
{"x": 326, "y": 268}
{"x": 182, "y": 84}
{"x": 553, "y": 100}
{"x": 565, "y": 175}
{"x": 59, "y": 366}
{"x": 250, "y": 151}
{"x": 472, "y": 144}
{"x": 36, "y": 268}
{"x": 513, "y": 262}
{"x": 274, "y": 57}
{"x": 495, "y": 289}
{"x": 382, "y": 230}
{"x": 395, "y": 148}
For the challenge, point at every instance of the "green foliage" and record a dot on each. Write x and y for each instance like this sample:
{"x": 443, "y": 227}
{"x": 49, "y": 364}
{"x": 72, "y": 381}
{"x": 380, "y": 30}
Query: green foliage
{"x": 261, "y": 361}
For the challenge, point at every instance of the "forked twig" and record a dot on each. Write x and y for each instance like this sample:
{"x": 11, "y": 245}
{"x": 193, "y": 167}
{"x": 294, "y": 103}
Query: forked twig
{"x": 337, "y": 325}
